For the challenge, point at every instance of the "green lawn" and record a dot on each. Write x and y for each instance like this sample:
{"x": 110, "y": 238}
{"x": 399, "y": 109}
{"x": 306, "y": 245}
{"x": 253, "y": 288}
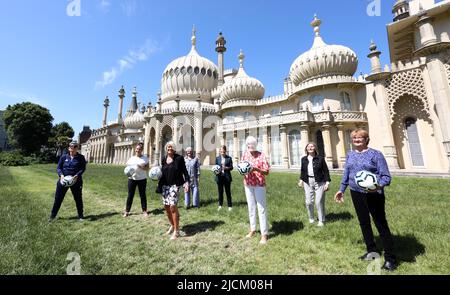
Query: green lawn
{"x": 418, "y": 212}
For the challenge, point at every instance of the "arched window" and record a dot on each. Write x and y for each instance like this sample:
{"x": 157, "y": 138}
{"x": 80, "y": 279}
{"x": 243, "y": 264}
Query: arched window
{"x": 295, "y": 148}
{"x": 229, "y": 118}
{"x": 230, "y": 146}
{"x": 412, "y": 136}
{"x": 317, "y": 103}
{"x": 346, "y": 103}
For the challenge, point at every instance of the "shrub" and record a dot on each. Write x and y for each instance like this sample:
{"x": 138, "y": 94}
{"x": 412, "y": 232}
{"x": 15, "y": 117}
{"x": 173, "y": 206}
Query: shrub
{"x": 14, "y": 158}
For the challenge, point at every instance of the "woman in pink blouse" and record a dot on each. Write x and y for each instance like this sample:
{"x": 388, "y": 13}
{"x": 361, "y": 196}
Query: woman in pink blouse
{"x": 255, "y": 189}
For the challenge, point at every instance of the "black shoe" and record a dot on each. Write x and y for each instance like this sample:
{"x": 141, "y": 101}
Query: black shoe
{"x": 389, "y": 265}
{"x": 369, "y": 256}
{"x": 80, "y": 218}
{"x": 50, "y": 219}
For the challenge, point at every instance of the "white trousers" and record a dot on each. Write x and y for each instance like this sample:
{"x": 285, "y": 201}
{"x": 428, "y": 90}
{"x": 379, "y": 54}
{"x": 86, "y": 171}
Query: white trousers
{"x": 312, "y": 188}
{"x": 256, "y": 197}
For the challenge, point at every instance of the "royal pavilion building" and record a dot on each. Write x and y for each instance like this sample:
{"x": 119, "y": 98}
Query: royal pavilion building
{"x": 405, "y": 106}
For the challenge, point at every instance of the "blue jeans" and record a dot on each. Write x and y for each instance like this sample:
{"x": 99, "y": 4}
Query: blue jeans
{"x": 196, "y": 199}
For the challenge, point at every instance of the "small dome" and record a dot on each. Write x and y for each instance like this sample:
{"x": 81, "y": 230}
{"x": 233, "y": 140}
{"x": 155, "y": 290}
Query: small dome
{"x": 323, "y": 60}
{"x": 135, "y": 121}
{"x": 242, "y": 86}
{"x": 189, "y": 76}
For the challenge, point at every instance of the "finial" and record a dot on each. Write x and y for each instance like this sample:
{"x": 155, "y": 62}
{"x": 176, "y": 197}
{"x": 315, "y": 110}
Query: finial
{"x": 121, "y": 90}
{"x": 134, "y": 91}
{"x": 373, "y": 46}
{"x": 106, "y": 102}
{"x": 194, "y": 38}
{"x": 316, "y": 25}
{"x": 241, "y": 57}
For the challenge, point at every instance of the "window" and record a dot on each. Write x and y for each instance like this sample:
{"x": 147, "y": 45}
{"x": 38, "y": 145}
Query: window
{"x": 196, "y": 70}
{"x": 247, "y": 116}
{"x": 177, "y": 71}
{"x": 412, "y": 136}
{"x": 203, "y": 71}
{"x": 215, "y": 75}
{"x": 320, "y": 144}
{"x": 275, "y": 150}
{"x": 209, "y": 73}
{"x": 230, "y": 146}
{"x": 189, "y": 70}
{"x": 229, "y": 118}
{"x": 346, "y": 103}
{"x": 183, "y": 70}
{"x": 317, "y": 103}
{"x": 348, "y": 140}
{"x": 274, "y": 113}
{"x": 295, "y": 148}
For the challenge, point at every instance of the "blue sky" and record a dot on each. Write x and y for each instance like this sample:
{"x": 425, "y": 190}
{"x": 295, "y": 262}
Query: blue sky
{"x": 70, "y": 63}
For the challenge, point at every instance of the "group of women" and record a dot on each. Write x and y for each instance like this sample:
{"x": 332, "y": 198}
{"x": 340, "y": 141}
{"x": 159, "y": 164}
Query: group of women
{"x": 183, "y": 172}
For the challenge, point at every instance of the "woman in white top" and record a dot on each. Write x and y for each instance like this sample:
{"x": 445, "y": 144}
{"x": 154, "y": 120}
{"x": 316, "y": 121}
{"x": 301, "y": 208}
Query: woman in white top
{"x": 315, "y": 179}
{"x": 139, "y": 179}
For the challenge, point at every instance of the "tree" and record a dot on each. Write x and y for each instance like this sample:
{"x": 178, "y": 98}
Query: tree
{"x": 28, "y": 126}
{"x": 60, "y": 136}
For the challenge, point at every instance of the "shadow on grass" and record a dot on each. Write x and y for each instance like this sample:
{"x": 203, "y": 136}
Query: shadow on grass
{"x": 195, "y": 228}
{"x": 406, "y": 248}
{"x": 94, "y": 217}
{"x": 286, "y": 227}
{"x": 333, "y": 217}
{"x": 216, "y": 201}
{"x": 157, "y": 211}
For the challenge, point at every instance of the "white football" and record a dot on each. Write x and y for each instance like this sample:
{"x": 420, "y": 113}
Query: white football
{"x": 216, "y": 169}
{"x": 68, "y": 181}
{"x": 155, "y": 173}
{"x": 244, "y": 167}
{"x": 129, "y": 171}
{"x": 366, "y": 180}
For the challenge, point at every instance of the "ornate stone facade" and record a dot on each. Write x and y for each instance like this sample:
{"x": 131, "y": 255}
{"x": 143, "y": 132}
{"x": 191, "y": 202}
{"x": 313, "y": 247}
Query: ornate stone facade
{"x": 405, "y": 106}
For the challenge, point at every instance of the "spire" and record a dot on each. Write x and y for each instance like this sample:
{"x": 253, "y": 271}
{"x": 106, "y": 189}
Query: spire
{"x": 133, "y": 106}
{"x": 318, "y": 41}
{"x": 194, "y": 38}
{"x": 241, "y": 57}
{"x": 193, "y": 41}
{"x": 241, "y": 72}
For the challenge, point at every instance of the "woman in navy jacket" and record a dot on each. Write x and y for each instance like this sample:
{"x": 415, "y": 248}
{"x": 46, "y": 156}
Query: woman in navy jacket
{"x": 70, "y": 164}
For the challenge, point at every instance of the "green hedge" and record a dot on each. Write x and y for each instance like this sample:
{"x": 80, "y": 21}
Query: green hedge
{"x": 14, "y": 158}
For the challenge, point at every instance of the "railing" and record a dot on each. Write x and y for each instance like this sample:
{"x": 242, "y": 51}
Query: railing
{"x": 298, "y": 117}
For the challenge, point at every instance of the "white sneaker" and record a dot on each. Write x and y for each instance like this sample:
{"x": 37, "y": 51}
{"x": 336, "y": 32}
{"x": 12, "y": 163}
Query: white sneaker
{"x": 311, "y": 221}
{"x": 220, "y": 208}
{"x": 170, "y": 231}
{"x": 320, "y": 224}
{"x": 230, "y": 208}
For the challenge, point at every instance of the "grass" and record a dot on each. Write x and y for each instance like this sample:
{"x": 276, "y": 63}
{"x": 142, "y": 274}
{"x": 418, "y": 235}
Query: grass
{"x": 418, "y": 211}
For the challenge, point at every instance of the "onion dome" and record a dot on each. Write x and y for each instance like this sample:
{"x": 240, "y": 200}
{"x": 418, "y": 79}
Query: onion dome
{"x": 241, "y": 85}
{"x": 189, "y": 76}
{"x": 323, "y": 60}
{"x": 134, "y": 119}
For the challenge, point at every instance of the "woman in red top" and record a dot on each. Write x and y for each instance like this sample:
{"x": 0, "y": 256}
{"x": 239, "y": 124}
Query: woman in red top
{"x": 255, "y": 189}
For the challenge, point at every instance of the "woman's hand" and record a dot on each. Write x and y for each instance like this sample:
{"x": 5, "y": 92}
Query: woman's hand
{"x": 186, "y": 187}
{"x": 326, "y": 187}
{"x": 300, "y": 183}
{"x": 339, "y": 197}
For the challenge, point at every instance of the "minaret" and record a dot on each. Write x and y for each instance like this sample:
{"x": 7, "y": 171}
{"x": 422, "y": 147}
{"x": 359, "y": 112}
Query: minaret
{"x": 105, "y": 111}
{"x": 374, "y": 56}
{"x": 121, "y": 96}
{"x": 220, "y": 49}
{"x": 400, "y": 10}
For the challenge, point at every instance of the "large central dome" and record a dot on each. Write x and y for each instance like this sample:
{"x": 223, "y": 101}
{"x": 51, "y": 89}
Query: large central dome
{"x": 323, "y": 60}
{"x": 189, "y": 77}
